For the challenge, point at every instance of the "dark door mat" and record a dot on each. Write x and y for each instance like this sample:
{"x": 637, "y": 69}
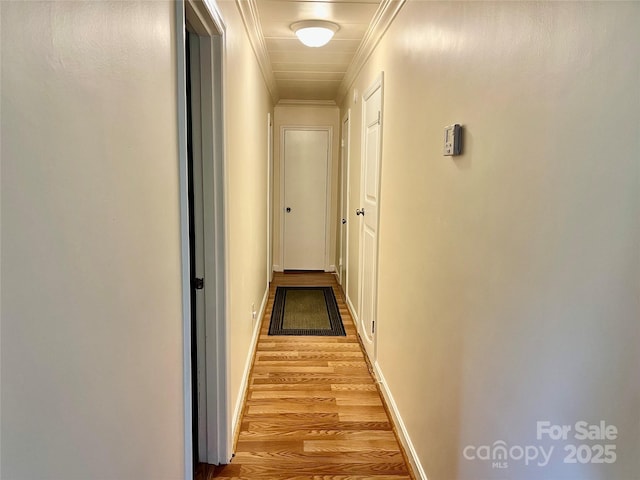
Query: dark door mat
{"x": 306, "y": 311}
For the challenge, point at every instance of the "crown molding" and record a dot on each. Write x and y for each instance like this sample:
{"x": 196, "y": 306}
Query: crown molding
{"x": 307, "y": 103}
{"x": 251, "y": 19}
{"x": 383, "y": 17}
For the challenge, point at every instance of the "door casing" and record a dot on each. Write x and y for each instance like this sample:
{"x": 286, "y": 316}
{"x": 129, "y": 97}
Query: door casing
{"x": 205, "y": 21}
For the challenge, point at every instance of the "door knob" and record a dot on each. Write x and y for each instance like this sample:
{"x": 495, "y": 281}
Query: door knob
{"x": 288, "y": 209}
{"x": 360, "y": 212}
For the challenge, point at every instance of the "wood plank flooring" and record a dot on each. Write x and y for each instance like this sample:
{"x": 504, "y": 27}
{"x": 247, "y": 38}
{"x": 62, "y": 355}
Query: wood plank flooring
{"x": 313, "y": 410}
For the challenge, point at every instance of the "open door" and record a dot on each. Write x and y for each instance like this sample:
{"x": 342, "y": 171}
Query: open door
{"x": 207, "y": 437}
{"x": 369, "y": 212}
{"x": 344, "y": 204}
{"x": 269, "y": 198}
{"x": 196, "y": 232}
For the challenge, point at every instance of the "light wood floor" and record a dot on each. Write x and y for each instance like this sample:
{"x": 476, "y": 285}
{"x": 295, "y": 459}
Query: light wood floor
{"x": 313, "y": 410}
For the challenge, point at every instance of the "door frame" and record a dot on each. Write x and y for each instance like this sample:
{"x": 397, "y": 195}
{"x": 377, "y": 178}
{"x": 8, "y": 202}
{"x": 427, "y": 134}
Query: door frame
{"x": 206, "y": 21}
{"x": 327, "y": 223}
{"x": 378, "y": 83}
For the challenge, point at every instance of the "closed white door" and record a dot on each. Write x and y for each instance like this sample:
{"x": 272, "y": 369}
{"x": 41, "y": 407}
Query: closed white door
{"x": 306, "y": 154}
{"x": 370, "y": 188}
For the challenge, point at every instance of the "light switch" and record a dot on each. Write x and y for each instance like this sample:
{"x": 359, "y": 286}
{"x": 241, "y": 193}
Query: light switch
{"x": 452, "y": 140}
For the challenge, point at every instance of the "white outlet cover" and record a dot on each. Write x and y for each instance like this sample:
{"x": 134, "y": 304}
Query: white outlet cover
{"x": 452, "y": 139}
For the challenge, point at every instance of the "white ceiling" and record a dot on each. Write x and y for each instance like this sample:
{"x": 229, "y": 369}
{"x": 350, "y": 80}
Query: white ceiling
{"x": 295, "y": 72}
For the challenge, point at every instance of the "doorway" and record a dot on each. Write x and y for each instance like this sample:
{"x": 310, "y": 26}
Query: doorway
{"x": 200, "y": 133}
{"x": 305, "y": 183}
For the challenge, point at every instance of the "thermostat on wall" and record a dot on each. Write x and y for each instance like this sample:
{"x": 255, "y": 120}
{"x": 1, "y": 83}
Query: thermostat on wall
{"x": 452, "y": 140}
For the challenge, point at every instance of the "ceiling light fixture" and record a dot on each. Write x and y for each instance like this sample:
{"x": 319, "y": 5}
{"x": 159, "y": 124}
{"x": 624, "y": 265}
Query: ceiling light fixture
{"x": 314, "y": 33}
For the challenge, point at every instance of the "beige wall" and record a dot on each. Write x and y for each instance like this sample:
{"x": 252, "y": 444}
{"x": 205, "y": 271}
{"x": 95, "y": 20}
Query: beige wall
{"x": 305, "y": 116}
{"x": 247, "y": 103}
{"x": 91, "y": 311}
{"x": 92, "y": 382}
{"x": 509, "y": 276}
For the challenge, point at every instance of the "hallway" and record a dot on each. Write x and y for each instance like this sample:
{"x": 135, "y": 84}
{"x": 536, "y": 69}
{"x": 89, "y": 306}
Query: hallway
{"x": 312, "y": 407}
{"x": 500, "y": 285}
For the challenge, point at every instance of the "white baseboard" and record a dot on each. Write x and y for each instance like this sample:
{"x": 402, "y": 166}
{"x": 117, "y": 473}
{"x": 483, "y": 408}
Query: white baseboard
{"x": 278, "y": 268}
{"x": 263, "y": 307}
{"x": 400, "y": 426}
{"x": 237, "y": 411}
{"x": 351, "y": 308}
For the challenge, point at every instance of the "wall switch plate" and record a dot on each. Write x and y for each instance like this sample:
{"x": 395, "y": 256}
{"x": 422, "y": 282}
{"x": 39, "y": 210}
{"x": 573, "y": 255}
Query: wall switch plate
{"x": 452, "y": 140}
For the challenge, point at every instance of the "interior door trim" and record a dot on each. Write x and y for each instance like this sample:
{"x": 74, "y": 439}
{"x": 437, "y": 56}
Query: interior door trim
{"x": 205, "y": 20}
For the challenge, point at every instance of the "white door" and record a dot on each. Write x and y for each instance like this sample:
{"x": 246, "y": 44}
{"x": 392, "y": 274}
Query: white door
{"x": 196, "y": 238}
{"x": 203, "y": 236}
{"x": 344, "y": 203}
{"x": 269, "y": 198}
{"x": 370, "y": 188}
{"x": 306, "y": 154}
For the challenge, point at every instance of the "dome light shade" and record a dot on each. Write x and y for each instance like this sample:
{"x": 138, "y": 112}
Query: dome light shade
{"x": 314, "y": 33}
